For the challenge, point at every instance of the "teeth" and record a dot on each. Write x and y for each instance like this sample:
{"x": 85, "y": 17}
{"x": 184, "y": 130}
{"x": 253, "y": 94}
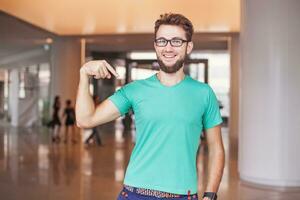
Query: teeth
{"x": 169, "y": 56}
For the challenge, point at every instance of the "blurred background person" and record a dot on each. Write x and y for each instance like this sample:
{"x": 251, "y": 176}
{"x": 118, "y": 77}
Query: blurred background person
{"x": 69, "y": 115}
{"x": 56, "y": 123}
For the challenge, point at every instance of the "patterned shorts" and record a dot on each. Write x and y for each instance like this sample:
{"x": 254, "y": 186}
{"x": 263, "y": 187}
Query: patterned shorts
{"x": 133, "y": 193}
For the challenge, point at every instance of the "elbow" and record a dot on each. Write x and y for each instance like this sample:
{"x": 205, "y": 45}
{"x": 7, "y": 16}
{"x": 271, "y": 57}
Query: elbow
{"x": 218, "y": 153}
{"x": 83, "y": 124}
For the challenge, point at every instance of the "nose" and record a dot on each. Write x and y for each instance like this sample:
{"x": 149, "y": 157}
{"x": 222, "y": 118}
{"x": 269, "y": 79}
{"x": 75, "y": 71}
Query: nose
{"x": 169, "y": 46}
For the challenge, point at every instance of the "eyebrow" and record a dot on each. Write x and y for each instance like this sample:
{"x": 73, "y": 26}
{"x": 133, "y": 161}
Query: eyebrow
{"x": 171, "y": 38}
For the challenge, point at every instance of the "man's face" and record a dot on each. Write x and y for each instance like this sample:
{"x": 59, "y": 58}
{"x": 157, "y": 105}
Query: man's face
{"x": 171, "y": 58}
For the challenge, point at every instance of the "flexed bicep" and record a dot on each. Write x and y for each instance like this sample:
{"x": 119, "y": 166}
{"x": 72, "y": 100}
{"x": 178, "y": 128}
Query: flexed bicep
{"x": 105, "y": 112}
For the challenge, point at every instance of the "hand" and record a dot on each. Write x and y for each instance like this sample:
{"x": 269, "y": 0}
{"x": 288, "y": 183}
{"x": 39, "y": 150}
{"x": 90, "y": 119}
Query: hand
{"x": 98, "y": 69}
{"x": 206, "y": 198}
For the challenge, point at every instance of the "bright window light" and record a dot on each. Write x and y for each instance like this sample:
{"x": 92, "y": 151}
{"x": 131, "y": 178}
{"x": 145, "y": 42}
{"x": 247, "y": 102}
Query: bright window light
{"x": 140, "y": 55}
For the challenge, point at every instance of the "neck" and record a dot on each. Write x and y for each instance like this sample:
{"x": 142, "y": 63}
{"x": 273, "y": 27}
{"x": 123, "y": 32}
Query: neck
{"x": 170, "y": 79}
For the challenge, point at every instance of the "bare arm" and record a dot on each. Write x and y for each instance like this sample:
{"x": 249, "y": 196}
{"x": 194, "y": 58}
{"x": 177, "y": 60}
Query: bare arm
{"x": 87, "y": 115}
{"x": 216, "y": 158}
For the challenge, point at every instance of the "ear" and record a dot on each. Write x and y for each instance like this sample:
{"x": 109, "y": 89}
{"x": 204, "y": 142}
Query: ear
{"x": 190, "y": 46}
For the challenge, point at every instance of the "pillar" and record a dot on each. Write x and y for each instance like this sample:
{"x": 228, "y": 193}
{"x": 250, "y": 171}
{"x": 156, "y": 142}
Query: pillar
{"x": 66, "y": 61}
{"x": 269, "y": 140}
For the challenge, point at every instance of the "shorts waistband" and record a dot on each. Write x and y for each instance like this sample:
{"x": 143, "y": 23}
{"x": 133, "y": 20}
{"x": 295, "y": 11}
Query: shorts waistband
{"x": 156, "y": 193}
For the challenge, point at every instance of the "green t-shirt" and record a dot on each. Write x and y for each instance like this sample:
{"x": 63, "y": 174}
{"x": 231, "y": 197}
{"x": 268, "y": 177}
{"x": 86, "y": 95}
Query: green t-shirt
{"x": 169, "y": 122}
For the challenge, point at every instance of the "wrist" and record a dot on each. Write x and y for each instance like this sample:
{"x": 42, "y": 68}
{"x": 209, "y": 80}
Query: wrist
{"x": 210, "y": 195}
{"x": 83, "y": 74}
{"x": 82, "y": 71}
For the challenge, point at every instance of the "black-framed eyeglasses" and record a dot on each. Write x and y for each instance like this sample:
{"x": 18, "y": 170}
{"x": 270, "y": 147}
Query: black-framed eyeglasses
{"x": 175, "y": 42}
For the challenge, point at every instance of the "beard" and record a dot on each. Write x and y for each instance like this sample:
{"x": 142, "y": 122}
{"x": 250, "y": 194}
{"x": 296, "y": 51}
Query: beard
{"x": 171, "y": 69}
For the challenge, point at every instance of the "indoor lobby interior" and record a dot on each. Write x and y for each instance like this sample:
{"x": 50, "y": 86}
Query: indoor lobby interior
{"x": 246, "y": 50}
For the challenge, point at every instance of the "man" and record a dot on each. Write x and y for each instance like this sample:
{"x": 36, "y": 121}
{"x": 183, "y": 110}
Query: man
{"x": 171, "y": 110}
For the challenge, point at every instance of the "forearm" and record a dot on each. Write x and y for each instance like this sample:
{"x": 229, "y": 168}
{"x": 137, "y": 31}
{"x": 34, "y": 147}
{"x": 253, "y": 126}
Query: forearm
{"x": 85, "y": 107}
{"x": 215, "y": 169}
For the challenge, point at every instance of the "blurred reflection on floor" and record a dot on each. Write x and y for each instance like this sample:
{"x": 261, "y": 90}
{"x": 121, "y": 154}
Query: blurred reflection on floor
{"x": 32, "y": 168}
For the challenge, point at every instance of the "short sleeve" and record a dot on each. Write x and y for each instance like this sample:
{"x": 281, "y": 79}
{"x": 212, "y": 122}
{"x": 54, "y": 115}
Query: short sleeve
{"x": 121, "y": 101}
{"x": 212, "y": 116}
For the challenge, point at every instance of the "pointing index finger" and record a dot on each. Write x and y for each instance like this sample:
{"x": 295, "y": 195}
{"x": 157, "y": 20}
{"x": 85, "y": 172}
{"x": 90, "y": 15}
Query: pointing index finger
{"x": 111, "y": 69}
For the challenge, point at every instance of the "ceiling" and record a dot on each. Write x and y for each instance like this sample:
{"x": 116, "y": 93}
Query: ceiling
{"x": 108, "y": 26}
{"x": 17, "y": 37}
{"x": 92, "y": 17}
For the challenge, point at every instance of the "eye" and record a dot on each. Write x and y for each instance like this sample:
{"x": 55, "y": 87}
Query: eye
{"x": 176, "y": 42}
{"x": 161, "y": 41}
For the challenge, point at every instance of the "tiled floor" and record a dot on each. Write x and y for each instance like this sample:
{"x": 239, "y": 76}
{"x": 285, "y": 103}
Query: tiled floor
{"x": 32, "y": 168}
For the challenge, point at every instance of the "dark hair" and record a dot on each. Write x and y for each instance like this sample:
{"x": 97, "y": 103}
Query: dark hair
{"x": 177, "y": 20}
{"x": 56, "y": 98}
{"x": 56, "y": 103}
{"x": 68, "y": 102}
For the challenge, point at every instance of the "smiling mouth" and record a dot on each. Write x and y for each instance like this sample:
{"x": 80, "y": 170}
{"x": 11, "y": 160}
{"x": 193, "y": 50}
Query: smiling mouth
{"x": 168, "y": 57}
